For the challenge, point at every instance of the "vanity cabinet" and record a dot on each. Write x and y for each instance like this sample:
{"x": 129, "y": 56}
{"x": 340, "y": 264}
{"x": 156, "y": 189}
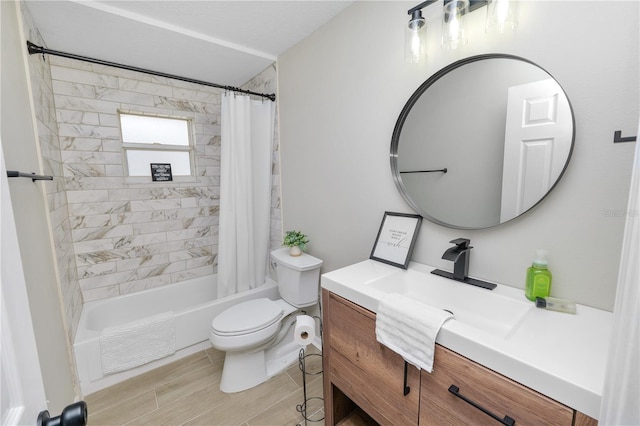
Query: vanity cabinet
{"x": 360, "y": 372}
{"x": 456, "y": 378}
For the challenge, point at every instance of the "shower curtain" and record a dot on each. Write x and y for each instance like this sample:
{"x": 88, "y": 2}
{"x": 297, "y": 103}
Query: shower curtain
{"x": 622, "y": 383}
{"x": 245, "y": 193}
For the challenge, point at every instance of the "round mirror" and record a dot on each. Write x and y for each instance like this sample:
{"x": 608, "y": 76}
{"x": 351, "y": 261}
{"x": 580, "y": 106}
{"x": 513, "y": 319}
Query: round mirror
{"x": 482, "y": 141}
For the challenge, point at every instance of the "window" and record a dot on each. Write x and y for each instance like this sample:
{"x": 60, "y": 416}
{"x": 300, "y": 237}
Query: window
{"x": 152, "y": 139}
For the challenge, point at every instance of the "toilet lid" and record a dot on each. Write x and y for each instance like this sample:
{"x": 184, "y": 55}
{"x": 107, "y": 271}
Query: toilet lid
{"x": 247, "y": 317}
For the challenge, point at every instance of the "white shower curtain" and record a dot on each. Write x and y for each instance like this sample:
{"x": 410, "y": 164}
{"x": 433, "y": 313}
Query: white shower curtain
{"x": 245, "y": 193}
{"x": 621, "y": 395}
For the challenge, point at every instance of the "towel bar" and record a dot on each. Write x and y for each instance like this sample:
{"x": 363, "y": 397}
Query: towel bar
{"x": 617, "y": 137}
{"x": 34, "y": 177}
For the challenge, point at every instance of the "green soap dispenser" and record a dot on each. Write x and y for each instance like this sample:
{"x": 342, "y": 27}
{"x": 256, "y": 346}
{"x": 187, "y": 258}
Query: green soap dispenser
{"x": 538, "y": 277}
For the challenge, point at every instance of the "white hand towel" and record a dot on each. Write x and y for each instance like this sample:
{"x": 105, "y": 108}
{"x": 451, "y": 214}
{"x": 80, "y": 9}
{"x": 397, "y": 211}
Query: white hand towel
{"x": 409, "y": 328}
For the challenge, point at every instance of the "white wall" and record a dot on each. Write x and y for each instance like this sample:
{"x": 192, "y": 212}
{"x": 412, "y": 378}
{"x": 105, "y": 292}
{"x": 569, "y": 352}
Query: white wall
{"x": 342, "y": 89}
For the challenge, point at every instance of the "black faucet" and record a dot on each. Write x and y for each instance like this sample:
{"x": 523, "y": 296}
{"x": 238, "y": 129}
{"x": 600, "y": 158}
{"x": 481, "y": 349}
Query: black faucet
{"x": 460, "y": 255}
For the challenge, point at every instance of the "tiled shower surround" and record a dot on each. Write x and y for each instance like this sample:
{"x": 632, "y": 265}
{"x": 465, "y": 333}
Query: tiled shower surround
{"x": 114, "y": 236}
{"x": 127, "y": 236}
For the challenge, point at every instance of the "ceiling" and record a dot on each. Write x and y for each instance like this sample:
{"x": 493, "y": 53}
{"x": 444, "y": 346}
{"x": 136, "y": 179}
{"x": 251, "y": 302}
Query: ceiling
{"x": 222, "y": 42}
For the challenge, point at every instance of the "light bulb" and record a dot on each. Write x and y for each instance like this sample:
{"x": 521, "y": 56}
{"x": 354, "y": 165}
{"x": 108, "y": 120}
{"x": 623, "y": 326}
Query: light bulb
{"x": 415, "y": 38}
{"x": 501, "y": 15}
{"x": 453, "y": 23}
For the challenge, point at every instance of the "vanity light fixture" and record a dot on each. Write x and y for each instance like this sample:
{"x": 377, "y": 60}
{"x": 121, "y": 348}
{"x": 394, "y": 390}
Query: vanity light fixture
{"x": 501, "y": 15}
{"x": 415, "y": 39}
{"x": 454, "y": 15}
{"x": 453, "y": 30}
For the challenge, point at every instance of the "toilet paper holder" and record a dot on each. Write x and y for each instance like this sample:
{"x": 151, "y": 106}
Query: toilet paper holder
{"x": 303, "y": 407}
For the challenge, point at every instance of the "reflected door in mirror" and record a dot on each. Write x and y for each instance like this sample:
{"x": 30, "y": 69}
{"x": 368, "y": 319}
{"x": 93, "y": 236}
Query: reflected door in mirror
{"x": 537, "y": 144}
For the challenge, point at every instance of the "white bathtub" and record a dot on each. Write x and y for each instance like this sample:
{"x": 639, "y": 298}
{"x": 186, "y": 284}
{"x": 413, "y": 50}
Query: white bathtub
{"x": 193, "y": 303}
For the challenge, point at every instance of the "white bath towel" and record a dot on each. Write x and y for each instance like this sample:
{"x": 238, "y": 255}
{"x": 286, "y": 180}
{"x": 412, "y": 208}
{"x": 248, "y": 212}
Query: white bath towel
{"x": 138, "y": 342}
{"x": 409, "y": 328}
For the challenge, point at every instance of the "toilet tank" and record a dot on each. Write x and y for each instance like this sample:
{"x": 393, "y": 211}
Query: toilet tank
{"x": 298, "y": 277}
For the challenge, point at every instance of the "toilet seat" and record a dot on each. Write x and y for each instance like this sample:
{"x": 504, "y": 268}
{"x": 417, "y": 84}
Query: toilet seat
{"x": 246, "y": 324}
{"x": 247, "y": 317}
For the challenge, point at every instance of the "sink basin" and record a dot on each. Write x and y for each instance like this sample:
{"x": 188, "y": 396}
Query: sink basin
{"x": 475, "y": 307}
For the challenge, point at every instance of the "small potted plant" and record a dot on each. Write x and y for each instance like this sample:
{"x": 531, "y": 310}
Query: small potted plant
{"x": 296, "y": 241}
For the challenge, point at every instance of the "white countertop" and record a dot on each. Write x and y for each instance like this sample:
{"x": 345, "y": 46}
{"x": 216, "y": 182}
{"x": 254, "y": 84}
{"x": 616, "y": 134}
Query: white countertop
{"x": 559, "y": 355}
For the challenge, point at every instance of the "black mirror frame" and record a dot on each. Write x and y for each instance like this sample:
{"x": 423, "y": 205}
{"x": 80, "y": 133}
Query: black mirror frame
{"x": 395, "y": 138}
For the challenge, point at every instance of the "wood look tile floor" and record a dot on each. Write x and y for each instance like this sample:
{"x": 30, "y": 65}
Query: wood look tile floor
{"x": 187, "y": 392}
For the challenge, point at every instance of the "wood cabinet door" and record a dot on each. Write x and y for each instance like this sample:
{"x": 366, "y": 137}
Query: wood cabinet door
{"x": 584, "y": 420}
{"x": 487, "y": 389}
{"x": 367, "y": 372}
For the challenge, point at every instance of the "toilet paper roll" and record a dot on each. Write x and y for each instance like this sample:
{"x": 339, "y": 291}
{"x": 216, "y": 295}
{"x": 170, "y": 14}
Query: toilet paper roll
{"x": 305, "y": 330}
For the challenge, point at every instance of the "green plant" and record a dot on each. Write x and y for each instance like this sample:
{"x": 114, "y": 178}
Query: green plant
{"x": 295, "y": 238}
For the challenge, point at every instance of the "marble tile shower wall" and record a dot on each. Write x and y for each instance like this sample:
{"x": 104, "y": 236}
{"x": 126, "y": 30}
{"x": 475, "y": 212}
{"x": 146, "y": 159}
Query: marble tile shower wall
{"x": 129, "y": 237}
{"x": 45, "y": 114}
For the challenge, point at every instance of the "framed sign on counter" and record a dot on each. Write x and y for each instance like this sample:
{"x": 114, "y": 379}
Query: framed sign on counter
{"x": 396, "y": 239}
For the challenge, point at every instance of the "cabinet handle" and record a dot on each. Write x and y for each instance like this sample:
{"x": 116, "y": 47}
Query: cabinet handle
{"x": 406, "y": 389}
{"x": 508, "y": 421}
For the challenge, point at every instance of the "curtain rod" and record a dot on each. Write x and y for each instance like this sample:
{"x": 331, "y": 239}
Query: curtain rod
{"x": 35, "y": 49}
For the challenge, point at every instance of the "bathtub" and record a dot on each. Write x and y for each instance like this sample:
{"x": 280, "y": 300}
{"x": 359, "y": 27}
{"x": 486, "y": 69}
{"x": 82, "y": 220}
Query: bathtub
{"x": 193, "y": 303}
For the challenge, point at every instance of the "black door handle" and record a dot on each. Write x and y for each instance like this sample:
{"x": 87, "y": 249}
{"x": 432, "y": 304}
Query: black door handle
{"x": 72, "y": 415}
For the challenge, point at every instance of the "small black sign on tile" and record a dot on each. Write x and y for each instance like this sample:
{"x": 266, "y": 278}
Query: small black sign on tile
{"x": 161, "y": 172}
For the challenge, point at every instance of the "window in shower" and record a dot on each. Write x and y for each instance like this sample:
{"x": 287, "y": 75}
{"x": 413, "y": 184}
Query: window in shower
{"x": 150, "y": 139}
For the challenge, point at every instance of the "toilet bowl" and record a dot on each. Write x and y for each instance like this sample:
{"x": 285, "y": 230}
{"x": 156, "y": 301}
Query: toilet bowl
{"x": 256, "y": 334}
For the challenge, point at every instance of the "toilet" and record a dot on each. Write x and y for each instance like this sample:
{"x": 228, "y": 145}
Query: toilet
{"x": 257, "y": 334}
